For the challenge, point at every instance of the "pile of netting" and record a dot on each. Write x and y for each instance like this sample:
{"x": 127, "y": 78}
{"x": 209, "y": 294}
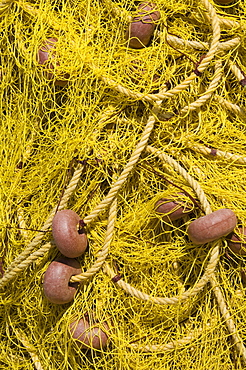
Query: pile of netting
{"x": 107, "y": 130}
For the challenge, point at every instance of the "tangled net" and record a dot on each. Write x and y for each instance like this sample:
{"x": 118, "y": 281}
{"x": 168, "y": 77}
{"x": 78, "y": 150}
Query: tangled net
{"x": 125, "y": 128}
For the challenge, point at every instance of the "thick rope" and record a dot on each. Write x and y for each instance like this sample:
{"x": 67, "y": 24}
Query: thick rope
{"x": 238, "y": 342}
{"x": 236, "y": 71}
{"x": 203, "y": 65}
{"x": 125, "y": 173}
{"x": 175, "y": 299}
{"x": 222, "y": 306}
{"x": 234, "y": 108}
{"x": 224, "y": 22}
{"x": 208, "y": 93}
{"x": 30, "y": 349}
{"x": 104, "y": 252}
{"x": 128, "y": 168}
{"x": 215, "y": 45}
{"x": 209, "y": 274}
{"x": 171, "y": 346}
{"x": 17, "y": 265}
{"x": 24, "y": 264}
{"x": 221, "y": 302}
{"x": 192, "y": 182}
{"x": 10, "y": 273}
{"x": 222, "y": 46}
{"x": 217, "y": 153}
{"x": 214, "y": 254}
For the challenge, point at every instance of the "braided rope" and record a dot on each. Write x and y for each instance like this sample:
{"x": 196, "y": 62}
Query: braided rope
{"x": 230, "y": 44}
{"x": 17, "y": 265}
{"x": 214, "y": 254}
{"x": 230, "y": 106}
{"x": 216, "y": 36}
{"x": 181, "y": 43}
{"x": 123, "y": 177}
{"x": 194, "y": 334}
{"x": 203, "y": 65}
{"x": 24, "y": 264}
{"x": 209, "y": 274}
{"x": 105, "y": 115}
{"x": 238, "y": 342}
{"x": 216, "y": 289}
{"x": 161, "y": 96}
{"x": 222, "y": 46}
{"x": 218, "y": 153}
{"x": 128, "y": 168}
{"x": 192, "y": 182}
{"x": 208, "y": 93}
{"x": 175, "y": 299}
{"x": 222, "y": 305}
{"x": 168, "y": 346}
{"x": 40, "y": 252}
{"x": 30, "y": 349}
{"x": 236, "y": 71}
{"x": 10, "y": 272}
{"x": 199, "y": 173}
{"x": 104, "y": 251}
{"x": 224, "y": 22}
{"x": 229, "y": 23}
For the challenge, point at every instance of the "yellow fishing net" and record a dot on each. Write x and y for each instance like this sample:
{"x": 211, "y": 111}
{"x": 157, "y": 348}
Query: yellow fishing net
{"x": 107, "y": 131}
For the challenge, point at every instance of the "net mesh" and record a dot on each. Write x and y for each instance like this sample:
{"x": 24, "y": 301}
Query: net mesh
{"x": 107, "y": 131}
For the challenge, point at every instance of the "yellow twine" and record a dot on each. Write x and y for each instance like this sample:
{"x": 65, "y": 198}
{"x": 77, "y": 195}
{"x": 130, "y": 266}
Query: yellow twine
{"x": 116, "y": 106}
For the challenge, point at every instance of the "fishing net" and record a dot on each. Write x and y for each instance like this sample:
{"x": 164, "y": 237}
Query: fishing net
{"x": 107, "y": 130}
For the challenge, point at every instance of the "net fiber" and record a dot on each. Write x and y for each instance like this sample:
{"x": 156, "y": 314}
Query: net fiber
{"x": 107, "y": 130}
